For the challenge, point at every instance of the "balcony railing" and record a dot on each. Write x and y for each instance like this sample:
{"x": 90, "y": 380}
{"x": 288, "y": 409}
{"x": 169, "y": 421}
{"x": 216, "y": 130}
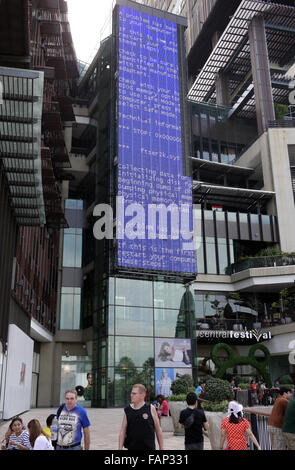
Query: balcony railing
{"x": 244, "y": 324}
{"x": 282, "y": 123}
{"x": 261, "y": 262}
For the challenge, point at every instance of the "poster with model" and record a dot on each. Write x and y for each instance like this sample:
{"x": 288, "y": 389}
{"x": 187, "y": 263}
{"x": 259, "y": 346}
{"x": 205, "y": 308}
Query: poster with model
{"x": 165, "y": 377}
{"x": 175, "y": 352}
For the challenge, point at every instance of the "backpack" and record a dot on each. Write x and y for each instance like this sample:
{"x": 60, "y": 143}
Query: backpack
{"x": 190, "y": 420}
{"x": 59, "y": 410}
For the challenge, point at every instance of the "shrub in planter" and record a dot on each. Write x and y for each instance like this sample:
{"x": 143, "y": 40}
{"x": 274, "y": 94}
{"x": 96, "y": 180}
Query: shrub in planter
{"x": 179, "y": 397}
{"x": 285, "y": 379}
{"x": 244, "y": 386}
{"x": 217, "y": 407}
{"x": 182, "y": 385}
{"x": 218, "y": 390}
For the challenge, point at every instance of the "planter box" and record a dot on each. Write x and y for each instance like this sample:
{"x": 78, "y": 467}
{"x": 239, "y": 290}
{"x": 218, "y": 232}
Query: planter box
{"x": 214, "y": 419}
{"x": 175, "y": 408}
{"x": 166, "y": 423}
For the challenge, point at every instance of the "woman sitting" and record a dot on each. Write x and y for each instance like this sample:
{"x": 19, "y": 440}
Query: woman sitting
{"x": 39, "y": 440}
{"x": 17, "y": 438}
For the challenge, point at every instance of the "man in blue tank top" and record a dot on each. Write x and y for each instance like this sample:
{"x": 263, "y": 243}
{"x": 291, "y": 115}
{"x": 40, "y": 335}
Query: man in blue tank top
{"x": 140, "y": 423}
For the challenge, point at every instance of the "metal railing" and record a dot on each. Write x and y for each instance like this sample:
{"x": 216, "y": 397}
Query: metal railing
{"x": 258, "y": 421}
{"x": 282, "y": 123}
{"x": 261, "y": 262}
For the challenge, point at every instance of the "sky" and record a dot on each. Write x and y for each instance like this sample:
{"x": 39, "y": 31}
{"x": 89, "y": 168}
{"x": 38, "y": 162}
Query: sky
{"x": 87, "y": 19}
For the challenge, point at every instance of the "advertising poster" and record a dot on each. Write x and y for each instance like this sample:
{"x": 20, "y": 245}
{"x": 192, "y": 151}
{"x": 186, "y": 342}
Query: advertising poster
{"x": 165, "y": 377}
{"x": 173, "y": 352}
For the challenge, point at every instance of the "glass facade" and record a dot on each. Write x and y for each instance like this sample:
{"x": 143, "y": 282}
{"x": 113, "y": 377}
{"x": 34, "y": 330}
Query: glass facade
{"x": 70, "y": 303}
{"x": 224, "y": 237}
{"x": 141, "y": 317}
{"x": 72, "y": 249}
{"x": 70, "y": 311}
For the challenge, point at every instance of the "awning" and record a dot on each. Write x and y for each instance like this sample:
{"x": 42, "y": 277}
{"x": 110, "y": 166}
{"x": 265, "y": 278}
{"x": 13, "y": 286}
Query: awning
{"x": 226, "y": 194}
{"x": 20, "y": 142}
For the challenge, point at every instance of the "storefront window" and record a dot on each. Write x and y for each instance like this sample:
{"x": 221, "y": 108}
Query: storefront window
{"x": 74, "y": 371}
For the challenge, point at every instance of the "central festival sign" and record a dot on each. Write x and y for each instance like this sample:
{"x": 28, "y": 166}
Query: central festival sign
{"x": 150, "y": 151}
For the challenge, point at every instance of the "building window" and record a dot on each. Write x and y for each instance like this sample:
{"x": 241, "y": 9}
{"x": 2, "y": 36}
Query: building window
{"x": 72, "y": 249}
{"x": 134, "y": 293}
{"x": 70, "y": 310}
{"x": 74, "y": 204}
{"x": 139, "y": 320}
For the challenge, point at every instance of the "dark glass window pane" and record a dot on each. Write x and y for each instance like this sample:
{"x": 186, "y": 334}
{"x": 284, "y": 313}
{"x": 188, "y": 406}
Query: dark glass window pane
{"x": 133, "y": 351}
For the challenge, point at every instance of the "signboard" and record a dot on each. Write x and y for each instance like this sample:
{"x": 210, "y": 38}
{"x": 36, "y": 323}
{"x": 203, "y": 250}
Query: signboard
{"x": 19, "y": 372}
{"x": 155, "y": 218}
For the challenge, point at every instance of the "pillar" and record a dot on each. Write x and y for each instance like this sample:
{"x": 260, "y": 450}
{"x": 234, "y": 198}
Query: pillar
{"x": 261, "y": 74}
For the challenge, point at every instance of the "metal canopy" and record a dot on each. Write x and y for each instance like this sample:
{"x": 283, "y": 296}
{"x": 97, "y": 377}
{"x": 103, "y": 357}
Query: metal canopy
{"x": 231, "y": 196}
{"x": 221, "y": 168}
{"x": 231, "y": 56}
{"x": 20, "y": 139}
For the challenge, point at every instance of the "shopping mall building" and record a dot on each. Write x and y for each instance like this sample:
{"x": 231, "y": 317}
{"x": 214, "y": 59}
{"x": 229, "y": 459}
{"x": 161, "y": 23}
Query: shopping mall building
{"x": 179, "y": 202}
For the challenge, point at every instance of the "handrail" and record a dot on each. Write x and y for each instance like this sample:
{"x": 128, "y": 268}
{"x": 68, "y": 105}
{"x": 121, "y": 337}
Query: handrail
{"x": 260, "y": 413}
{"x": 262, "y": 262}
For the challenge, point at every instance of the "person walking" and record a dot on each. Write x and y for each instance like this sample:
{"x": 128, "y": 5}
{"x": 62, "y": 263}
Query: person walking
{"x": 39, "y": 440}
{"x": 72, "y": 422}
{"x": 164, "y": 406}
{"x": 235, "y": 428}
{"x": 193, "y": 420}
{"x": 275, "y": 421}
{"x": 140, "y": 423}
{"x": 288, "y": 428}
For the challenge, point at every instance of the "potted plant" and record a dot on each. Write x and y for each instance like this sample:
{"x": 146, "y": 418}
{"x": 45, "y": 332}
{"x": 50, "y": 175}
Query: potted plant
{"x": 218, "y": 392}
{"x": 177, "y": 402}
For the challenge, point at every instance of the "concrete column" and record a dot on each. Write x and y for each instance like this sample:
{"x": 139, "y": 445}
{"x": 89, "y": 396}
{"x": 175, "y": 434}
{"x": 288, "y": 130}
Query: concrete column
{"x": 50, "y": 374}
{"x": 223, "y": 97}
{"x": 282, "y": 185}
{"x": 261, "y": 74}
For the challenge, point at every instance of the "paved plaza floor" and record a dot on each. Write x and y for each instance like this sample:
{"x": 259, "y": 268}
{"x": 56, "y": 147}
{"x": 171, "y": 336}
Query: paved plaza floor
{"x": 105, "y": 428}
